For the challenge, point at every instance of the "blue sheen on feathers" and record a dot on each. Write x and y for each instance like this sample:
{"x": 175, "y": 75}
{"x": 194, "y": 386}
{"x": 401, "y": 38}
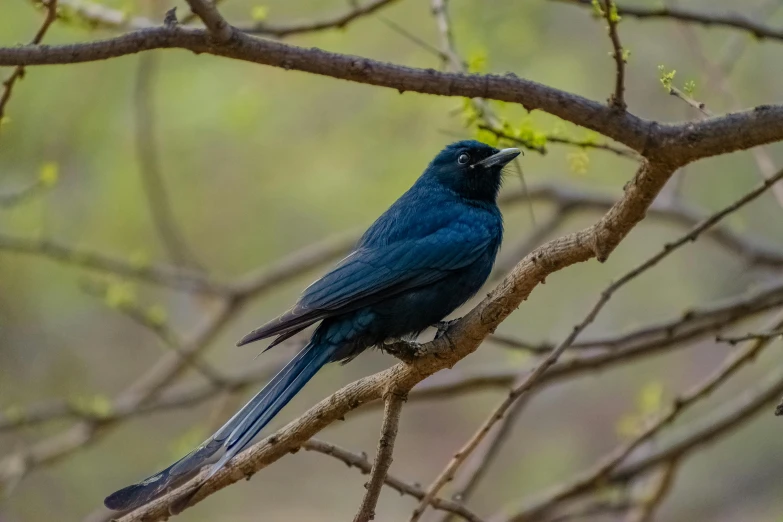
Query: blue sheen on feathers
{"x": 425, "y": 256}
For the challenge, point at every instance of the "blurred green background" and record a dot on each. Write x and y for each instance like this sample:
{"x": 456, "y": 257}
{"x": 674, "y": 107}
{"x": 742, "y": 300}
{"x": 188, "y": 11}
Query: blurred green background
{"x": 260, "y": 162}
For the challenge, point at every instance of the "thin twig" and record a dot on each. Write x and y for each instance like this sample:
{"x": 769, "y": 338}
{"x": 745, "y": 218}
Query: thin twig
{"x": 449, "y": 471}
{"x": 700, "y": 106}
{"x": 466, "y": 482}
{"x": 645, "y": 341}
{"x": 728, "y": 20}
{"x": 18, "y": 72}
{"x": 404, "y": 488}
{"x": 256, "y": 281}
{"x": 659, "y": 490}
{"x": 149, "y": 165}
{"x": 149, "y": 320}
{"x": 383, "y": 457}
{"x": 749, "y": 337}
{"x": 616, "y": 100}
{"x": 585, "y": 144}
{"x": 18, "y": 197}
{"x": 144, "y": 389}
{"x": 603, "y": 469}
{"x": 517, "y": 392}
{"x": 718, "y": 74}
{"x": 337, "y": 21}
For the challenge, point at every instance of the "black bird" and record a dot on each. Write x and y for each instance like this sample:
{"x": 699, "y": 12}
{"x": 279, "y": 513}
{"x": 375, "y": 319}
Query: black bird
{"x": 426, "y": 255}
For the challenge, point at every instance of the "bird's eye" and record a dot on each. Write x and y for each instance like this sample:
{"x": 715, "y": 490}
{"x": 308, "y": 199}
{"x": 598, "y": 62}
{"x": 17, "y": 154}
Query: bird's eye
{"x": 463, "y": 158}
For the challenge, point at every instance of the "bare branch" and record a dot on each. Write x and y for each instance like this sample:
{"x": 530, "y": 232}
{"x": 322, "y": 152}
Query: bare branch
{"x": 281, "y": 271}
{"x": 337, "y": 21}
{"x": 699, "y": 106}
{"x": 678, "y": 144}
{"x": 617, "y": 100}
{"x": 383, "y": 457}
{"x": 728, "y": 20}
{"x": 149, "y": 165}
{"x": 479, "y": 462}
{"x": 159, "y": 274}
{"x": 585, "y": 144}
{"x": 603, "y": 469}
{"x": 749, "y": 337}
{"x": 218, "y": 27}
{"x": 148, "y": 320}
{"x": 18, "y": 72}
{"x": 18, "y": 197}
{"x": 107, "y": 18}
{"x": 658, "y": 493}
{"x": 519, "y": 390}
{"x": 360, "y": 462}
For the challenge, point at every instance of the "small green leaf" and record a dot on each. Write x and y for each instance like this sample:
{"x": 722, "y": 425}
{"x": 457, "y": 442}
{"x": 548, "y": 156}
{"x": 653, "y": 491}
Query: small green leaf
{"x": 667, "y": 77}
{"x": 157, "y": 315}
{"x": 650, "y": 398}
{"x": 487, "y": 136}
{"x": 477, "y": 61}
{"x": 578, "y": 162}
{"x": 120, "y": 294}
{"x": 259, "y": 13}
{"x": 49, "y": 174}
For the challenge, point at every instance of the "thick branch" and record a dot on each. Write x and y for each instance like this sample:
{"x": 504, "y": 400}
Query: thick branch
{"x": 459, "y": 341}
{"x": 678, "y": 144}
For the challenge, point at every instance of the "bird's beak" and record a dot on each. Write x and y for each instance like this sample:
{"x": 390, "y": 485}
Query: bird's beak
{"x": 499, "y": 159}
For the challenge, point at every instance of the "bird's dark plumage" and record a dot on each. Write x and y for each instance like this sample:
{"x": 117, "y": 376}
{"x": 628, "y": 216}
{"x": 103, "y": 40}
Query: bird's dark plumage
{"x": 426, "y": 255}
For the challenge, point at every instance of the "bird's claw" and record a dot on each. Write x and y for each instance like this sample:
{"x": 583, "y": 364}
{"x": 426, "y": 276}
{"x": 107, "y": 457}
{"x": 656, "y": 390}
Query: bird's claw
{"x": 442, "y": 327}
{"x": 406, "y": 351}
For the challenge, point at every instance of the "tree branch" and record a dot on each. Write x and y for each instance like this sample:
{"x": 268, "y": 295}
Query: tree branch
{"x": 460, "y": 340}
{"x": 603, "y": 469}
{"x": 18, "y": 73}
{"x": 18, "y": 197}
{"x": 674, "y": 145}
{"x": 728, "y": 20}
{"x": 360, "y": 462}
{"x": 617, "y": 100}
{"x": 383, "y": 457}
{"x": 218, "y": 27}
{"x": 149, "y": 166}
{"x": 337, "y": 21}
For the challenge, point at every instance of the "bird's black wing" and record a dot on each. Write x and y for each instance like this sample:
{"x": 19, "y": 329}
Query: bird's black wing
{"x": 371, "y": 274}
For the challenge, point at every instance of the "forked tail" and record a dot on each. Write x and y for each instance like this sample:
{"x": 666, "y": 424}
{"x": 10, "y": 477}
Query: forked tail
{"x": 234, "y": 435}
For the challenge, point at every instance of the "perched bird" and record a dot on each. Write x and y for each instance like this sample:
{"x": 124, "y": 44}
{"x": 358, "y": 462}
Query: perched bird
{"x": 426, "y": 255}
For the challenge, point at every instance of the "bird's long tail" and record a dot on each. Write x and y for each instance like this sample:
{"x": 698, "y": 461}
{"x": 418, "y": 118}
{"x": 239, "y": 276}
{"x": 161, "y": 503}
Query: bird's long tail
{"x": 234, "y": 435}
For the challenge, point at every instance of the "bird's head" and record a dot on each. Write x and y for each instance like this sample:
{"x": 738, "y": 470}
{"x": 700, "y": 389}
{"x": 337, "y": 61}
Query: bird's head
{"x": 471, "y": 169}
